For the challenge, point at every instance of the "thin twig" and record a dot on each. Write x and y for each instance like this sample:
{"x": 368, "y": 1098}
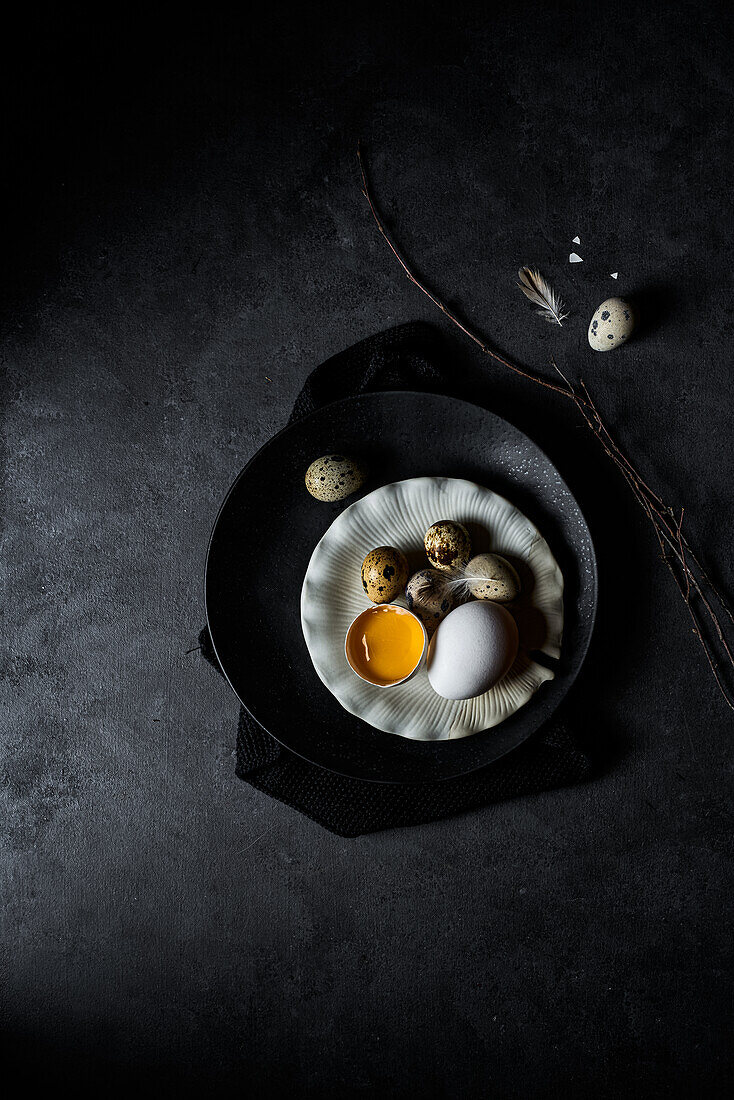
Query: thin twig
{"x": 685, "y": 568}
{"x": 436, "y": 301}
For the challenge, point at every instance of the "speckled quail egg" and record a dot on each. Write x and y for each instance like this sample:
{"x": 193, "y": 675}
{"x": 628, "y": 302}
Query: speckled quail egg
{"x": 611, "y": 325}
{"x": 448, "y": 546}
{"x": 428, "y": 597}
{"x": 333, "y": 477}
{"x": 384, "y": 574}
{"x": 494, "y": 578}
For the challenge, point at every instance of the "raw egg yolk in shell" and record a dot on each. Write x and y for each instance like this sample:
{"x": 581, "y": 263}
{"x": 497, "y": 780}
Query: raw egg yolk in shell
{"x": 385, "y": 644}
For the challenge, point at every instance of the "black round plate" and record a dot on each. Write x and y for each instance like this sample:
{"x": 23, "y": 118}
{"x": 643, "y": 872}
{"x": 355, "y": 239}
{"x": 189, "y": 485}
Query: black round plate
{"x": 268, "y": 527}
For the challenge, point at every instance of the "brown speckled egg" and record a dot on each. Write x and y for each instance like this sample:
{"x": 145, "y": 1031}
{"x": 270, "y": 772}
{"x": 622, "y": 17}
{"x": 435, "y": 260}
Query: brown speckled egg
{"x": 496, "y": 579}
{"x": 333, "y": 477}
{"x": 448, "y": 546}
{"x": 428, "y": 597}
{"x": 384, "y": 573}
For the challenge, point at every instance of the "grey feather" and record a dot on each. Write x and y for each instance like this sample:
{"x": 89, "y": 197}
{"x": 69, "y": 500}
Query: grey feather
{"x": 541, "y": 294}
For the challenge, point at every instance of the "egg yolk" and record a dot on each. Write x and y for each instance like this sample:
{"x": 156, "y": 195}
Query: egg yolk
{"x": 385, "y": 644}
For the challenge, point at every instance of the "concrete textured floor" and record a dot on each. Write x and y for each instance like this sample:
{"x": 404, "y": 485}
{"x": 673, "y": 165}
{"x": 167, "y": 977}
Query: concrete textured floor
{"x": 189, "y": 241}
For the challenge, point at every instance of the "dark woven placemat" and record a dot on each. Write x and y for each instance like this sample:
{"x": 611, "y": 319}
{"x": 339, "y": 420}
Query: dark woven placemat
{"x": 407, "y": 357}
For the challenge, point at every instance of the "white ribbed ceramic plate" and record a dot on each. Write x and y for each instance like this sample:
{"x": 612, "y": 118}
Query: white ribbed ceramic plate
{"x": 399, "y": 515}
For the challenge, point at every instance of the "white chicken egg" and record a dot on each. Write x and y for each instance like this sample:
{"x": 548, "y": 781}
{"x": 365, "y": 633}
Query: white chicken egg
{"x": 473, "y": 648}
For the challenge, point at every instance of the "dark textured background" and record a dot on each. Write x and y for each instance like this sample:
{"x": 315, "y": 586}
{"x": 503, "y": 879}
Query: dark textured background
{"x": 183, "y": 240}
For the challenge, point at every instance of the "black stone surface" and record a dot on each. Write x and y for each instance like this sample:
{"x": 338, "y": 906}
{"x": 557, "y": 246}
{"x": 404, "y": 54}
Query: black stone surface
{"x": 184, "y": 238}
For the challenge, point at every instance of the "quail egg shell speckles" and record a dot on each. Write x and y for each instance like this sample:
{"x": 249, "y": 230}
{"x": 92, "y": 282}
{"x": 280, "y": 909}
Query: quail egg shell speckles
{"x": 495, "y": 579}
{"x": 384, "y": 574}
{"x": 611, "y": 325}
{"x": 447, "y": 545}
{"x": 333, "y": 477}
{"x": 428, "y": 597}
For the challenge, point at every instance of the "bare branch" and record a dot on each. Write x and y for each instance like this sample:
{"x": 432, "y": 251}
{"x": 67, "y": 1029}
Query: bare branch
{"x": 685, "y": 568}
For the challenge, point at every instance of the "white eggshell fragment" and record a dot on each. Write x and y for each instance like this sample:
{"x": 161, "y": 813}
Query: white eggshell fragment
{"x": 473, "y": 648}
{"x": 611, "y": 325}
{"x": 333, "y": 477}
{"x": 495, "y": 579}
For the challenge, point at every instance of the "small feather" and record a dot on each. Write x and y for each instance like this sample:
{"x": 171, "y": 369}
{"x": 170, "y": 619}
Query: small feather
{"x": 456, "y": 585}
{"x": 541, "y": 294}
